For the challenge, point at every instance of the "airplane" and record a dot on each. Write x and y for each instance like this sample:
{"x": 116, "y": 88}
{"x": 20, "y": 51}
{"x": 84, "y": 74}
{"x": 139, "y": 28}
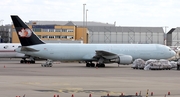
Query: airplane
{"x": 7, "y": 50}
{"x": 99, "y": 53}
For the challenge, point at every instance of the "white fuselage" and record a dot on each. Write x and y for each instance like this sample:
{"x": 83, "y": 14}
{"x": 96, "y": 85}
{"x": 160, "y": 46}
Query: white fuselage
{"x": 7, "y": 50}
{"x": 88, "y": 51}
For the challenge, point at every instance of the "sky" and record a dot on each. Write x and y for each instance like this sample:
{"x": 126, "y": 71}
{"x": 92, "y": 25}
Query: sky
{"x": 145, "y": 13}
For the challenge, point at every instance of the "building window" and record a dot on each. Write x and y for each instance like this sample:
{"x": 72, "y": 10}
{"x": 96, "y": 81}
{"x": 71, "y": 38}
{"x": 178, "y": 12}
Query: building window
{"x": 64, "y": 37}
{"x": 69, "y": 37}
{"x": 45, "y": 36}
{"x": 51, "y": 36}
{"x": 70, "y": 30}
{"x": 45, "y": 30}
{"x": 64, "y": 30}
{"x": 57, "y": 36}
{"x": 37, "y": 29}
{"x": 58, "y": 30}
{"x": 51, "y": 30}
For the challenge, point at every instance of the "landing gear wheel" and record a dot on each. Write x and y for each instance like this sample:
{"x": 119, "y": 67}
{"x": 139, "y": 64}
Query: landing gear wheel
{"x": 22, "y": 61}
{"x": 92, "y": 65}
{"x": 88, "y": 65}
{"x": 27, "y": 61}
{"x": 100, "y": 65}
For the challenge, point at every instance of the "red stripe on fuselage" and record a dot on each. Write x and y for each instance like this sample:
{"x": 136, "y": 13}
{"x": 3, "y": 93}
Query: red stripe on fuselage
{"x": 7, "y": 51}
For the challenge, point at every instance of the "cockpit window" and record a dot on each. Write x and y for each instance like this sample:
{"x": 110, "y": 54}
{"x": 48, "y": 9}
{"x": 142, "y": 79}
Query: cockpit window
{"x": 169, "y": 49}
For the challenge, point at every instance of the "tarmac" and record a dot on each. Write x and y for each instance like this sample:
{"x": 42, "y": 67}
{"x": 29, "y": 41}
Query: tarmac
{"x": 74, "y": 79}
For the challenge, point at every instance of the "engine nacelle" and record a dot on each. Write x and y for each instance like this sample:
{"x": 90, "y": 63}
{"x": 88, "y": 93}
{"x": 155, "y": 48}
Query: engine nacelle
{"x": 124, "y": 59}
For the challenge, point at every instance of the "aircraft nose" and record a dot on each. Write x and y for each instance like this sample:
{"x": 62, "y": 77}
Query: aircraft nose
{"x": 173, "y": 53}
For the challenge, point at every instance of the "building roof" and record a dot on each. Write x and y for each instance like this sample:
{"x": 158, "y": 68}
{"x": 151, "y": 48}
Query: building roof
{"x": 100, "y": 27}
{"x": 125, "y": 29}
{"x": 70, "y": 23}
{"x": 77, "y": 23}
{"x": 172, "y": 30}
{"x": 176, "y": 30}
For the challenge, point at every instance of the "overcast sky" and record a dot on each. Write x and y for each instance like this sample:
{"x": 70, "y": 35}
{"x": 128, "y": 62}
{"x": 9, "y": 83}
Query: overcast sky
{"x": 151, "y": 13}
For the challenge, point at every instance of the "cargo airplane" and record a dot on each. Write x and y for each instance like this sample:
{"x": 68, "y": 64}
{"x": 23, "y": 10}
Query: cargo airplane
{"x": 99, "y": 53}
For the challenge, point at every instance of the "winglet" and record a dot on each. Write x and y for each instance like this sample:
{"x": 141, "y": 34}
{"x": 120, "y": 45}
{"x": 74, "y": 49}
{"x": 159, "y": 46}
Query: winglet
{"x": 26, "y": 36}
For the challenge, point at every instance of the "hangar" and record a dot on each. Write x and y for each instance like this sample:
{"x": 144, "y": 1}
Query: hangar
{"x": 173, "y": 37}
{"x": 113, "y": 34}
{"x": 94, "y": 32}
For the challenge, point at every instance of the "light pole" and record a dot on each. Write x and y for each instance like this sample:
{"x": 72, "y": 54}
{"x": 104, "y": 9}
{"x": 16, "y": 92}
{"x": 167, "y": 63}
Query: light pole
{"x": 83, "y": 20}
{"x": 86, "y": 25}
{"x": 86, "y": 17}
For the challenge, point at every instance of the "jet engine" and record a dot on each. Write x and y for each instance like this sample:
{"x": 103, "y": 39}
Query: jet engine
{"x": 123, "y": 59}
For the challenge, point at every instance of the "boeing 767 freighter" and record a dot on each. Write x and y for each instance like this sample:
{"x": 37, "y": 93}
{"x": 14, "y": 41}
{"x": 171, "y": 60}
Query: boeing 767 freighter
{"x": 99, "y": 53}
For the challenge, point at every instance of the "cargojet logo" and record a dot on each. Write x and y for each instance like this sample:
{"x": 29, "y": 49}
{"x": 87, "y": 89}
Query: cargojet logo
{"x": 25, "y": 32}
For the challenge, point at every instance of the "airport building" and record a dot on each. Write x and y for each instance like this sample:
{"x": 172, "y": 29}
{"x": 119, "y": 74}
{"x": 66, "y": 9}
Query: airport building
{"x": 5, "y": 33}
{"x": 93, "y": 32}
{"x": 55, "y": 32}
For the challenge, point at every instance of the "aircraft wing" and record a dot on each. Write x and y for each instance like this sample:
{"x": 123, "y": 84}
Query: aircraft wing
{"x": 105, "y": 54}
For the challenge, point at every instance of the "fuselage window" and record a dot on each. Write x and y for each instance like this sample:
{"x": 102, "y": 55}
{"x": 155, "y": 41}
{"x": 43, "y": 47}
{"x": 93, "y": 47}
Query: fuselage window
{"x": 5, "y": 47}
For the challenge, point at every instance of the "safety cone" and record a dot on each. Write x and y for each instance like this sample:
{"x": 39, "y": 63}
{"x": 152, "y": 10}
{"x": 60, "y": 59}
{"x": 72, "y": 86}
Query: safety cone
{"x": 136, "y": 94}
{"x": 151, "y": 93}
{"x": 58, "y": 96}
{"x": 90, "y": 95}
{"x": 4, "y": 66}
{"x": 54, "y": 95}
{"x": 108, "y": 94}
{"x": 169, "y": 93}
{"x": 72, "y": 95}
{"x": 122, "y": 94}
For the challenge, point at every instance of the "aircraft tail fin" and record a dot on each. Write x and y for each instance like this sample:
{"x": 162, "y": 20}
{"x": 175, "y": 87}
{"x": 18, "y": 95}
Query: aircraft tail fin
{"x": 26, "y": 36}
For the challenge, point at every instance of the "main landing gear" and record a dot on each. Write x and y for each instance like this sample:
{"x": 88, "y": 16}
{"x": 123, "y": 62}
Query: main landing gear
{"x": 100, "y": 65}
{"x": 27, "y": 61}
{"x": 90, "y": 64}
{"x": 49, "y": 63}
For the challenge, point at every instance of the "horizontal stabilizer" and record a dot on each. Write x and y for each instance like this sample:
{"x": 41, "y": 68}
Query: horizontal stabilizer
{"x": 25, "y": 48}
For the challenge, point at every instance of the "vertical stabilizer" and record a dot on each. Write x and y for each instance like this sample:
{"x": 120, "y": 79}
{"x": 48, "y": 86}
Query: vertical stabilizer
{"x": 26, "y": 36}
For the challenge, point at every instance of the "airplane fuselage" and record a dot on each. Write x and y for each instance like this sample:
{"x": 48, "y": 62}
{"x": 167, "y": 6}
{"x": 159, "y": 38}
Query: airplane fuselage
{"x": 7, "y": 50}
{"x": 87, "y": 51}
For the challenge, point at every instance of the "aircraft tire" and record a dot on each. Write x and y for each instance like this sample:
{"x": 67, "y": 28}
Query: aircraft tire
{"x": 22, "y": 61}
{"x": 92, "y": 65}
{"x": 88, "y": 65}
{"x": 32, "y": 61}
{"x": 100, "y": 65}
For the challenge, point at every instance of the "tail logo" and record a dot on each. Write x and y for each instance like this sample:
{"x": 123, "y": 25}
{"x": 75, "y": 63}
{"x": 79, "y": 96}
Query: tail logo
{"x": 25, "y": 32}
